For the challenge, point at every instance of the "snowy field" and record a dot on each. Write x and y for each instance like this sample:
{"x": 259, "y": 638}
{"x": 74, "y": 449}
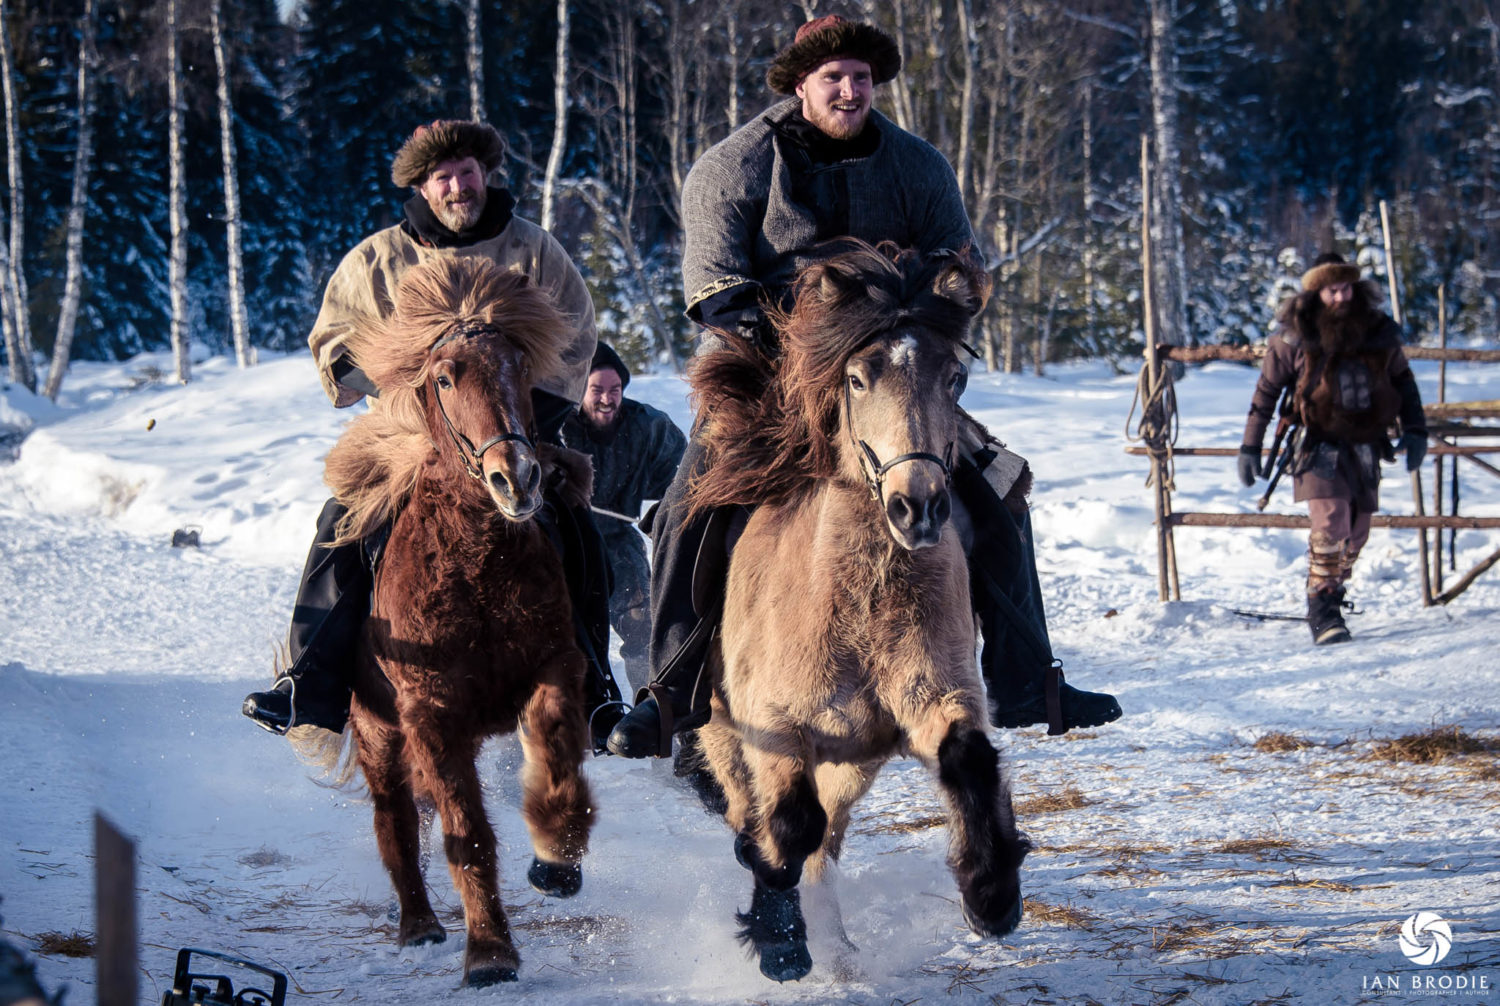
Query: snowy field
{"x": 1176, "y": 862}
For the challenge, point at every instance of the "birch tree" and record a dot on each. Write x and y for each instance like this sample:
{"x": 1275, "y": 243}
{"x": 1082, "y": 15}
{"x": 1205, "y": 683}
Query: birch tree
{"x": 1169, "y": 264}
{"x": 67, "y": 315}
{"x": 18, "y": 334}
{"x": 238, "y": 321}
{"x": 562, "y": 70}
{"x": 473, "y": 26}
{"x": 177, "y": 199}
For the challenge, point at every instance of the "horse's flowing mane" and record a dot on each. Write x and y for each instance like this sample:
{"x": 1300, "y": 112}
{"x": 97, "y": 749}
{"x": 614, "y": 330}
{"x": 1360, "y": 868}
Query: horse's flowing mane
{"x": 770, "y": 426}
{"x": 374, "y": 466}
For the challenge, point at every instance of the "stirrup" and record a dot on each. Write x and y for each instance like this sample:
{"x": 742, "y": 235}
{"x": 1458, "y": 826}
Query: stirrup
{"x": 600, "y": 745}
{"x": 274, "y": 728}
{"x": 1052, "y": 679}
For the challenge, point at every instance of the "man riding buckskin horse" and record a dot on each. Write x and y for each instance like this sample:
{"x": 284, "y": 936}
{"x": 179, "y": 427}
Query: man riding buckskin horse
{"x": 818, "y": 166}
{"x": 452, "y": 213}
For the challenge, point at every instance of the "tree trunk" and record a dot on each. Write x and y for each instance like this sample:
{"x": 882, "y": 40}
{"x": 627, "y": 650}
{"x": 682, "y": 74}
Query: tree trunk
{"x": 474, "y": 27}
{"x": 1090, "y": 301}
{"x": 560, "y": 75}
{"x": 733, "y": 36}
{"x": 67, "y": 315}
{"x": 966, "y": 98}
{"x": 178, "y": 201}
{"x": 18, "y": 339}
{"x": 1166, "y": 193}
{"x": 239, "y": 323}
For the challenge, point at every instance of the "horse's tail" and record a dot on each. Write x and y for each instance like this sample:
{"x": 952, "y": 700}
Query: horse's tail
{"x": 336, "y": 756}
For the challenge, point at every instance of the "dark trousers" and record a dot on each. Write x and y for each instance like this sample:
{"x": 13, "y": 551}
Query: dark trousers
{"x": 688, "y": 574}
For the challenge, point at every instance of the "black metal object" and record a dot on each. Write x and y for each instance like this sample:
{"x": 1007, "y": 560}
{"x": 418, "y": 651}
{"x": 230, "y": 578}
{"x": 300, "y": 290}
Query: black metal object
{"x": 190, "y": 987}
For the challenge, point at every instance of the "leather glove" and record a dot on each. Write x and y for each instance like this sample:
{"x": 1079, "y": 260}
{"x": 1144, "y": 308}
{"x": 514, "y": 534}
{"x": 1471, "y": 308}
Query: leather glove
{"x": 1249, "y": 464}
{"x": 1415, "y": 446}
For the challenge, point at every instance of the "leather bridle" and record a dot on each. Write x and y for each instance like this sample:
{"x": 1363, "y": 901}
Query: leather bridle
{"x": 875, "y": 471}
{"x": 471, "y": 456}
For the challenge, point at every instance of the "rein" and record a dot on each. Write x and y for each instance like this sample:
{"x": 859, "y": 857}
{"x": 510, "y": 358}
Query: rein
{"x": 471, "y": 456}
{"x": 875, "y": 472}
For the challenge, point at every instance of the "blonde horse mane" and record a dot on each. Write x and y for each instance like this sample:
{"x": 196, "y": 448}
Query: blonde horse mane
{"x": 375, "y": 464}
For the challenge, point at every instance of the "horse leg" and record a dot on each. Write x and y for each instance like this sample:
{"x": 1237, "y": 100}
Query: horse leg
{"x": 555, "y": 800}
{"x": 789, "y": 826}
{"x": 840, "y": 786}
{"x": 396, "y": 827}
{"x": 469, "y": 841}
{"x": 987, "y": 850}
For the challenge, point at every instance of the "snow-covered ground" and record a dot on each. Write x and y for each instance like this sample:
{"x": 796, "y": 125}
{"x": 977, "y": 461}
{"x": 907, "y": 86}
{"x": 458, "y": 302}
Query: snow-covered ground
{"x": 1176, "y": 861}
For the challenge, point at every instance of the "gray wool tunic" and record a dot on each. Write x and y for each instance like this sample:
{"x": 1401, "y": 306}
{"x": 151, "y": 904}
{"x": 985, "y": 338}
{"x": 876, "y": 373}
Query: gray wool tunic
{"x": 751, "y": 217}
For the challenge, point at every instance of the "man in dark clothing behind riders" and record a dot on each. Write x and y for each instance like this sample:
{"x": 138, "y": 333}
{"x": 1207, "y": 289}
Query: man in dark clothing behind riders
{"x": 756, "y": 208}
{"x": 636, "y": 449}
{"x": 1342, "y": 358}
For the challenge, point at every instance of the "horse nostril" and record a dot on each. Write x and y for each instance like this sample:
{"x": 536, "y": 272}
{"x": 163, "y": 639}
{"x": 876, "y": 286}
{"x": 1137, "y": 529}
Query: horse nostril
{"x": 899, "y": 511}
{"x": 533, "y": 478}
{"x": 941, "y": 508}
{"x": 499, "y": 483}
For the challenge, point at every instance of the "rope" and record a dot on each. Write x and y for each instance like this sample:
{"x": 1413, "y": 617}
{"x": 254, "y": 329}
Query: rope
{"x": 1159, "y": 421}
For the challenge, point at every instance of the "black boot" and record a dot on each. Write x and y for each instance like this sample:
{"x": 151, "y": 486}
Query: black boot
{"x": 1325, "y": 617}
{"x": 688, "y": 570}
{"x": 333, "y": 601}
{"x": 1023, "y": 679}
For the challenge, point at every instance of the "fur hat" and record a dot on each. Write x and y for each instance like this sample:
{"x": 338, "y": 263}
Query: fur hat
{"x": 605, "y": 356}
{"x": 446, "y": 140}
{"x": 829, "y": 38}
{"x": 1329, "y": 269}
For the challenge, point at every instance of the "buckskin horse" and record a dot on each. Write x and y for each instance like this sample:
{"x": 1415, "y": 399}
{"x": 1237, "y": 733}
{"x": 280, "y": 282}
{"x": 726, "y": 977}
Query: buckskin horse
{"x": 847, "y": 634}
{"x": 471, "y": 630}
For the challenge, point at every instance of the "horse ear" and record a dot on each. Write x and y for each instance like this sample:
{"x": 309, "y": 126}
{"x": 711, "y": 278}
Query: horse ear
{"x": 963, "y": 283}
{"x": 831, "y": 283}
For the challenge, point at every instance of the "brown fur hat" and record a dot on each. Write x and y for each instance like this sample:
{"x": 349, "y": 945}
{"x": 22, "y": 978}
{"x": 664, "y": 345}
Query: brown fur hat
{"x": 446, "y": 140}
{"x": 829, "y": 38}
{"x": 1327, "y": 270}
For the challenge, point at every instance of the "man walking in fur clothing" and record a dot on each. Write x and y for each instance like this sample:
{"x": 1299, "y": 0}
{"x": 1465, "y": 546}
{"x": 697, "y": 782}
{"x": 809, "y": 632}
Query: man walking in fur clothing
{"x": 1342, "y": 358}
{"x": 451, "y": 213}
{"x": 823, "y": 164}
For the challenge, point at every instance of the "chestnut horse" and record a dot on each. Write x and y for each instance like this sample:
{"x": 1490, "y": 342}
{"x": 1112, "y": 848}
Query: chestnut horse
{"x": 848, "y": 635}
{"x": 471, "y": 630}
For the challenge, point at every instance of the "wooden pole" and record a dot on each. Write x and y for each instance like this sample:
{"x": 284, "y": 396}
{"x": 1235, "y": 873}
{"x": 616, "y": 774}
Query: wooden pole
{"x": 1390, "y": 263}
{"x": 1416, "y": 496}
{"x": 114, "y": 911}
{"x": 1159, "y": 499}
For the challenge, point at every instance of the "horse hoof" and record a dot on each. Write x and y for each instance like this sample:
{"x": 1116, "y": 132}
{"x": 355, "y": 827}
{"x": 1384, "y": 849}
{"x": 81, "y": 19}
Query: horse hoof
{"x": 421, "y": 935}
{"x": 744, "y": 854}
{"x": 1005, "y": 923}
{"x": 487, "y": 975}
{"x": 560, "y": 880}
{"x": 785, "y": 962}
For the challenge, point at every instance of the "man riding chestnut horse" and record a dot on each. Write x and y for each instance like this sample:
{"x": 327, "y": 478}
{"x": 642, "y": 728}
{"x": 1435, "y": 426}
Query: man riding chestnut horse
{"x": 451, "y": 214}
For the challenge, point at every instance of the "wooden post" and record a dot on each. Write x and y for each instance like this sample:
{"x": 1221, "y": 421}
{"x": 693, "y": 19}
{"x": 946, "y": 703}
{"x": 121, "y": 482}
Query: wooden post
{"x": 114, "y": 915}
{"x": 1160, "y": 502}
{"x": 1390, "y": 264}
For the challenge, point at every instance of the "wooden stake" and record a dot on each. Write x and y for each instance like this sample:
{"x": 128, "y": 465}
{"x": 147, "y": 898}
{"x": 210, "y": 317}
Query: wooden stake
{"x": 1160, "y": 503}
{"x": 1390, "y": 264}
{"x": 1416, "y": 496}
{"x": 114, "y": 909}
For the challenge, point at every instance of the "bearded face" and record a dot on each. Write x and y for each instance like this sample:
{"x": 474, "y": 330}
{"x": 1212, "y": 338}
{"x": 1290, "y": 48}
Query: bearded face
{"x": 836, "y": 97}
{"x": 455, "y": 191}
{"x": 1343, "y": 319}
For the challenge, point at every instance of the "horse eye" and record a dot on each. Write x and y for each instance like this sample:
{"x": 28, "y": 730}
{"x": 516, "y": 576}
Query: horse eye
{"x": 443, "y": 382}
{"x": 855, "y": 383}
{"x": 959, "y": 383}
